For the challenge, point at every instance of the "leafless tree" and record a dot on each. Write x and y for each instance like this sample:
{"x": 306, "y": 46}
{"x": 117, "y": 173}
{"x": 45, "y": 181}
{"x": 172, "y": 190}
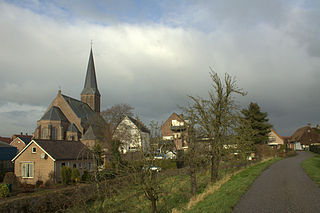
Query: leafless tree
{"x": 216, "y": 115}
{"x": 116, "y": 113}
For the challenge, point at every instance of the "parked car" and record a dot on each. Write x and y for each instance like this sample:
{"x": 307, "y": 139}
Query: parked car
{"x": 152, "y": 168}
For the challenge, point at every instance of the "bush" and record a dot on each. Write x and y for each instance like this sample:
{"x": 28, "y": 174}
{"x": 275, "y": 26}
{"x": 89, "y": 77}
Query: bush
{"x": 27, "y": 188}
{"x": 10, "y": 178}
{"x": 75, "y": 175}
{"x": 86, "y": 177}
{"x": 4, "y": 190}
{"x": 65, "y": 175}
{"x": 39, "y": 183}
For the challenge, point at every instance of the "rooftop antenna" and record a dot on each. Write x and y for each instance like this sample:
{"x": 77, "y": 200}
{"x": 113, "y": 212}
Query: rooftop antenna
{"x": 91, "y": 43}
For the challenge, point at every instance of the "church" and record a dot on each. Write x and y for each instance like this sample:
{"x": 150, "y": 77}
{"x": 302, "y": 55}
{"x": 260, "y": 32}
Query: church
{"x": 67, "y": 118}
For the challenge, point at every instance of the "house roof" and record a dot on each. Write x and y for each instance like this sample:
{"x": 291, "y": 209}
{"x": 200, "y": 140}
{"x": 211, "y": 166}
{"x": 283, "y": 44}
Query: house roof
{"x": 81, "y": 109}
{"x": 139, "y": 124}
{"x": 54, "y": 114}
{"x": 90, "y": 85}
{"x": 26, "y": 140}
{"x": 7, "y": 152}
{"x": 5, "y": 139}
{"x": 305, "y": 135}
{"x": 72, "y": 128}
{"x": 61, "y": 150}
{"x": 89, "y": 135}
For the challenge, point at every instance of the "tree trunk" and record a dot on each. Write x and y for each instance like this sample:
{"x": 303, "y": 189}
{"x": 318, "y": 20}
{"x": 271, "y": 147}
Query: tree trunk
{"x": 214, "y": 168}
{"x": 154, "y": 205}
{"x": 193, "y": 180}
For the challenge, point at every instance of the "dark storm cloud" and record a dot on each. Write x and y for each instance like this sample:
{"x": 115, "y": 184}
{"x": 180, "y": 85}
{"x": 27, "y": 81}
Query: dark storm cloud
{"x": 152, "y": 55}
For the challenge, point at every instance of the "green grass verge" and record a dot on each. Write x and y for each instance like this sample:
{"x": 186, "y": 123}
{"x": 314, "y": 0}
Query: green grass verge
{"x": 230, "y": 193}
{"x": 312, "y": 167}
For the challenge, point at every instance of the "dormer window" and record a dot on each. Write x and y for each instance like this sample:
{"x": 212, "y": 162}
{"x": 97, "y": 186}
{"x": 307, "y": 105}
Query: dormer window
{"x": 34, "y": 149}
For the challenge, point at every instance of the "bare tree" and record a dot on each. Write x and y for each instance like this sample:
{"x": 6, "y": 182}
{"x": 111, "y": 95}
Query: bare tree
{"x": 216, "y": 115}
{"x": 116, "y": 113}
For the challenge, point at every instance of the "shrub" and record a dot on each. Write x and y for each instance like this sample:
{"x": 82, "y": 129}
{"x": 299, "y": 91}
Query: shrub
{"x": 27, "y": 187}
{"x": 4, "y": 190}
{"x": 39, "y": 183}
{"x": 86, "y": 177}
{"x": 10, "y": 178}
{"x": 65, "y": 175}
{"x": 75, "y": 175}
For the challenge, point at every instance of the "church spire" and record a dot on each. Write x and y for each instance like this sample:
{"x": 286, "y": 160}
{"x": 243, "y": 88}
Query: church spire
{"x": 90, "y": 85}
{"x": 90, "y": 93}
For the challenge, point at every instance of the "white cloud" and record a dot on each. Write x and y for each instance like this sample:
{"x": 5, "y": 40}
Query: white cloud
{"x": 153, "y": 66}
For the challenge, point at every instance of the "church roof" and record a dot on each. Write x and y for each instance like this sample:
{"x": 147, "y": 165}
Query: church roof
{"x": 54, "y": 114}
{"x": 89, "y": 135}
{"x": 73, "y": 128}
{"x": 82, "y": 110}
{"x": 90, "y": 85}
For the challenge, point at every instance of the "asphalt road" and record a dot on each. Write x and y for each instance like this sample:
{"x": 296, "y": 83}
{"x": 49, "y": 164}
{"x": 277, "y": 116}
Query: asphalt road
{"x": 283, "y": 187}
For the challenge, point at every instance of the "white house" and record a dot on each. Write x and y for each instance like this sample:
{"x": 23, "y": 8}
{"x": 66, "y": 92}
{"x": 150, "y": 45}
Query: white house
{"x": 275, "y": 139}
{"x": 133, "y": 135}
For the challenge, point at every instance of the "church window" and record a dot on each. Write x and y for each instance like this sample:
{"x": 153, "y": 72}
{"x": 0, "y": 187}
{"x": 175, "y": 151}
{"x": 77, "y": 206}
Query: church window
{"x": 45, "y": 133}
{"x": 54, "y": 135}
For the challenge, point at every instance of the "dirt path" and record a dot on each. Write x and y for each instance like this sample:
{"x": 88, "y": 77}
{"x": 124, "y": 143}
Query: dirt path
{"x": 284, "y": 187}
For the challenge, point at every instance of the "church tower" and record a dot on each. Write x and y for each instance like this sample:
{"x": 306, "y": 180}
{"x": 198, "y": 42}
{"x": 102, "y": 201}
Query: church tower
{"x": 90, "y": 93}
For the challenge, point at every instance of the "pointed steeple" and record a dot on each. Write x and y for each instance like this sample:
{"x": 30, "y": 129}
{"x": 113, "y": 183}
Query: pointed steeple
{"x": 90, "y": 85}
{"x": 90, "y": 93}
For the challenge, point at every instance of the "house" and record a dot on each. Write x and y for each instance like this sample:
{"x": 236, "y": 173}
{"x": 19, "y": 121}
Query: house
{"x": 68, "y": 118}
{"x": 42, "y": 160}
{"x": 133, "y": 135}
{"x": 275, "y": 140}
{"x": 7, "y": 152}
{"x": 303, "y": 137}
{"x": 174, "y": 130}
{"x": 20, "y": 142}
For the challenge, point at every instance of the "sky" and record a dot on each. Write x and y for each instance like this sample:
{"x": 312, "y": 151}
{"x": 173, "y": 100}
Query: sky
{"x": 152, "y": 54}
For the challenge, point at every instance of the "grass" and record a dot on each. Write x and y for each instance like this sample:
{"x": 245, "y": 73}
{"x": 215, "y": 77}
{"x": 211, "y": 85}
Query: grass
{"x": 312, "y": 167}
{"x": 225, "y": 198}
{"x": 176, "y": 196}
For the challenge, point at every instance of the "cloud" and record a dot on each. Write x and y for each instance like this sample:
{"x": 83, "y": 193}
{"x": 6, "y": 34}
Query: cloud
{"x": 153, "y": 65}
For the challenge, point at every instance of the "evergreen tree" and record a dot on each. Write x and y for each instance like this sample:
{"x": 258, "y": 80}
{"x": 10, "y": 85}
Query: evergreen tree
{"x": 258, "y": 121}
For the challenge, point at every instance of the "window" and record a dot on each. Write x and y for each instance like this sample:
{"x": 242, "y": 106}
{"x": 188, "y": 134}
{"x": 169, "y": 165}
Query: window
{"x": 34, "y": 149}
{"x": 45, "y": 133}
{"x": 54, "y": 133}
{"x": 74, "y": 165}
{"x": 63, "y": 164}
{"x": 27, "y": 170}
{"x": 89, "y": 166}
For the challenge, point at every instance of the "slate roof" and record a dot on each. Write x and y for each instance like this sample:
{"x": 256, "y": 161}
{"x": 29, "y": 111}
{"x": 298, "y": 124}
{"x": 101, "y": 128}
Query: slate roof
{"x": 73, "y": 128}
{"x": 90, "y": 85}
{"x": 139, "y": 124}
{"x": 65, "y": 150}
{"x": 54, "y": 114}
{"x": 26, "y": 140}
{"x": 82, "y": 110}
{"x": 89, "y": 135}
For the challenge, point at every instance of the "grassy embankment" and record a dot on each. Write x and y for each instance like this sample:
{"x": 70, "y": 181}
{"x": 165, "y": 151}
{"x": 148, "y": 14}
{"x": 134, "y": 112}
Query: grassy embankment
{"x": 312, "y": 167}
{"x": 228, "y": 195}
{"x": 218, "y": 197}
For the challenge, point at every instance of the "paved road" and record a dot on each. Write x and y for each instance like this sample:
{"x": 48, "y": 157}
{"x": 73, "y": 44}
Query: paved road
{"x": 283, "y": 187}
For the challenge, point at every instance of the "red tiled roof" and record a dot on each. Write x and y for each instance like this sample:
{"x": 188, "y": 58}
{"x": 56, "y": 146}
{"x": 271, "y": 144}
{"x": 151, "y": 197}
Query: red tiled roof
{"x": 5, "y": 139}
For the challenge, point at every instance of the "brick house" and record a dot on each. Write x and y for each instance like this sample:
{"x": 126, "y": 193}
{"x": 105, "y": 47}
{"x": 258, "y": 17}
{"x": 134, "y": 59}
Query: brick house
{"x": 275, "y": 139}
{"x": 41, "y": 159}
{"x": 20, "y": 142}
{"x": 174, "y": 129}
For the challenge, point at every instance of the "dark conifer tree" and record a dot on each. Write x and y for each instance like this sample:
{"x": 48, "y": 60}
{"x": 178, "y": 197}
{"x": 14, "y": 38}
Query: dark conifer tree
{"x": 259, "y": 122}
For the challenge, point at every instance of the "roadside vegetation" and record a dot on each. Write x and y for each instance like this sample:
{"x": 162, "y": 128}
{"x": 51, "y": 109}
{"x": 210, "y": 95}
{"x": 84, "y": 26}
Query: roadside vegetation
{"x": 312, "y": 167}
